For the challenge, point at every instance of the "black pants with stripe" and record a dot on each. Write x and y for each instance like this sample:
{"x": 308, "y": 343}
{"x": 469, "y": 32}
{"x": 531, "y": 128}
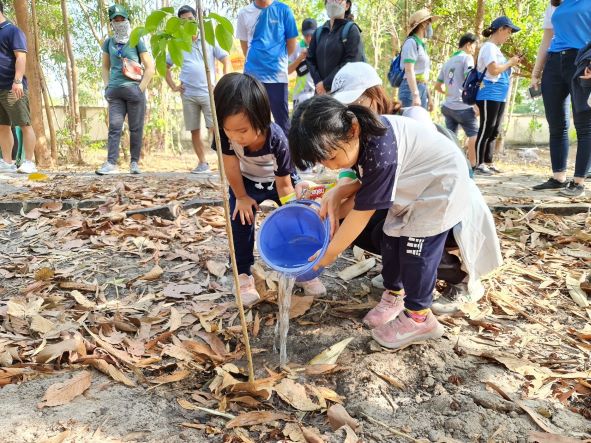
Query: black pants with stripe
{"x": 410, "y": 263}
{"x": 491, "y": 116}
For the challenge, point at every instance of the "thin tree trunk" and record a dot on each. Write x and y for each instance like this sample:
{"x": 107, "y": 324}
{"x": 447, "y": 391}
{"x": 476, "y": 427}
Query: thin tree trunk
{"x": 46, "y": 102}
{"x": 90, "y": 23}
{"x": 479, "y": 19}
{"x": 32, "y": 71}
{"x": 74, "y": 102}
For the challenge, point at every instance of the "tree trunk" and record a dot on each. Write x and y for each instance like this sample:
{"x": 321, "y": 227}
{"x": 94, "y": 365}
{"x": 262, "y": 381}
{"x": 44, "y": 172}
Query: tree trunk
{"x": 32, "y": 71}
{"x": 479, "y": 20}
{"x": 46, "y": 101}
{"x": 73, "y": 88}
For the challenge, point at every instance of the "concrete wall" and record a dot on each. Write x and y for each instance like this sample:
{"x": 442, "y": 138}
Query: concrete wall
{"x": 94, "y": 124}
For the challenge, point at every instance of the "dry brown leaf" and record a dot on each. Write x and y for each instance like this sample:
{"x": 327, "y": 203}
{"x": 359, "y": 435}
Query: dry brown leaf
{"x": 24, "y": 308}
{"x": 54, "y": 206}
{"x": 178, "y": 352}
{"x": 300, "y": 305}
{"x": 542, "y": 422}
{"x": 176, "y": 319}
{"x": 311, "y": 435}
{"x": 64, "y": 392}
{"x": 154, "y": 274}
{"x": 330, "y": 355}
{"x": 389, "y": 379}
{"x": 111, "y": 371}
{"x": 59, "y": 438}
{"x": 185, "y": 404}
{"x": 256, "y": 418}
{"x": 41, "y": 324}
{"x": 82, "y": 300}
{"x": 542, "y": 437}
{"x": 338, "y": 417}
{"x": 329, "y": 394}
{"x": 350, "y": 436}
{"x": 216, "y": 268}
{"x": 321, "y": 369}
{"x": 55, "y": 350}
{"x": 216, "y": 344}
{"x": 78, "y": 286}
{"x": 171, "y": 378}
{"x": 44, "y": 274}
{"x": 295, "y": 395}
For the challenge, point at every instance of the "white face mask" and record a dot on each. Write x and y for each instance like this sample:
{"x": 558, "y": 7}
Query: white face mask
{"x": 121, "y": 31}
{"x": 335, "y": 10}
{"x": 429, "y": 31}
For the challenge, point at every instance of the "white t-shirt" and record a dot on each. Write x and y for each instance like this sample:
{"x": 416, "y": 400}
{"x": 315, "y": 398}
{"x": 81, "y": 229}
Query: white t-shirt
{"x": 490, "y": 53}
{"x": 432, "y": 182}
{"x": 246, "y": 21}
{"x": 548, "y": 17}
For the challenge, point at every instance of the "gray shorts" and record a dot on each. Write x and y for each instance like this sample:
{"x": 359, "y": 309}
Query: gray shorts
{"x": 192, "y": 108}
{"x": 466, "y": 118}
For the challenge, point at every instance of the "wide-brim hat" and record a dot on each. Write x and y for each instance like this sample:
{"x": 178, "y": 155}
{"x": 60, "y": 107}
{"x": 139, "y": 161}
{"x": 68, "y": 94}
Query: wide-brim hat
{"x": 353, "y": 80}
{"x": 419, "y": 17}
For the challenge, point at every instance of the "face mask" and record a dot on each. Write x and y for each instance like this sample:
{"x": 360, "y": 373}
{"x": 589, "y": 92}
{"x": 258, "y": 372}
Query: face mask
{"x": 429, "y": 31}
{"x": 121, "y": 31}
{"x": 335, "y": 10}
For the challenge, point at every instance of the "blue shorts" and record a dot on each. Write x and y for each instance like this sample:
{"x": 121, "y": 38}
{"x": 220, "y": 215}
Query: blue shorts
{"x": 465, "y": 118}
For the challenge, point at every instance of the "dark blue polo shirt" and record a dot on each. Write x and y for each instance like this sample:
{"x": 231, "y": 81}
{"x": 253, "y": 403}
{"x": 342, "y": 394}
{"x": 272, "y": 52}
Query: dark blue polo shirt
{"x": 11, "y": 39}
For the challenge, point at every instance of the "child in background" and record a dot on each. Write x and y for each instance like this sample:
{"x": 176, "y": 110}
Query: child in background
{"x": 419, "y": 176}
{"x": 258, "y": 166}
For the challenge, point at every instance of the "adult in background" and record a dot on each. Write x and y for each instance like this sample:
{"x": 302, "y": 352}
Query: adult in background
{"x": 449, "y": 82}
{"x": 125, "y": 88}
{"x": 193, "y": 87}
{"x": 348, "y": 12}
{"x": 268, "y": 35}
{"x": 333, "y": 45}
{"x": 417, "y": 64}
{"x": 492, "y": 96}
{"x": 568, "y": 31}
{"x": 304, "y": 87}
{"x": 14, "y": 96}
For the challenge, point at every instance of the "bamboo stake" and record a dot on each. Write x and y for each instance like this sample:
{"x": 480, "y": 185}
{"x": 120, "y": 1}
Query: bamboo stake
{"x": 218, "y": 145}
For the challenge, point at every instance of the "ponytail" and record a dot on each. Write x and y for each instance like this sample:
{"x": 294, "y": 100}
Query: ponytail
{"x": 321, "y": 124}
{"x": 488, "y": 32}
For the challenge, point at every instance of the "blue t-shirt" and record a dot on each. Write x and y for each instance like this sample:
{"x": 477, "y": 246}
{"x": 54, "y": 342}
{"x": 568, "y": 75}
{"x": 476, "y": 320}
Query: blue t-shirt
{"x": 267, "y": 59}
{"x": 494, "y": 87}
{"x": 572, "y": 25}
{"x": 11, "y": 39}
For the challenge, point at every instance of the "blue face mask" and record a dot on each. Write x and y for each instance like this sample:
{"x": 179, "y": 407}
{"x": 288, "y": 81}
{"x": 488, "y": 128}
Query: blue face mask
{"x": 429, "y": 31}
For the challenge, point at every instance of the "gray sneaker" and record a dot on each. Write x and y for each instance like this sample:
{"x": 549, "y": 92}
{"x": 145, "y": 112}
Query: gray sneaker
{"x": 573, "y": 189}
{"x": 107, "y": 168}
{"x": 454, "y": 296}
{"x": 202, "y": 168}
{"x": 134, "y": 168}
{"x": 7, "y": 167}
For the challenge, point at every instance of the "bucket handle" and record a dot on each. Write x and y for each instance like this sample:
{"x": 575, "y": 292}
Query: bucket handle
{"x": 305, "y": 202}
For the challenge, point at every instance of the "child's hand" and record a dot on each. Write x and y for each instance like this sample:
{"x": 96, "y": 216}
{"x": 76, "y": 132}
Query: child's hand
{"x": 330, "y": 207}
{"x": 244, "y": 207}
{"x": 302, "y": 189}
{"x": 326, "y": 260}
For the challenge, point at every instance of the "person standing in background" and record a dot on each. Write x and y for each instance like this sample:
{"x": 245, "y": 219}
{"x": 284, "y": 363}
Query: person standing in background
{"x": 304, "y": 86}
{"x": 268, "y": 33}
{"x": 14, "y": 97}
{"x": 452, "y": 76}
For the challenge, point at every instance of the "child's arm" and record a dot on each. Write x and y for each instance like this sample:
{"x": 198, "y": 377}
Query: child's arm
{"x": 353, "y": 225}
{"x": 284, "y": 185}
{"x": 244, "y": 203}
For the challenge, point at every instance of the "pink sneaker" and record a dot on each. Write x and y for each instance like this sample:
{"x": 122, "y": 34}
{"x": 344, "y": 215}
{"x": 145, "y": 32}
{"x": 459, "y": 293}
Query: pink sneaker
{"x": 404, "y": 331}
{"x": 248, "y": 290}
{"x": 313, "y": 287}
{"x": 387, "y": 309}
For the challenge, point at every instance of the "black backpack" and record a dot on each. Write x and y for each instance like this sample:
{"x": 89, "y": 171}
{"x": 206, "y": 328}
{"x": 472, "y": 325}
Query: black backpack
{"x": 344, "y": 36}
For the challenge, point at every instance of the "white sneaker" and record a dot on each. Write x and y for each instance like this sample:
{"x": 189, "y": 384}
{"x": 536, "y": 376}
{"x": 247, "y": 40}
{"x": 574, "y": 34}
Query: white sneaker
{"x": 455, "y": 296}
{"x": 107, "y": 168}
{"x": 28, "y": 167}
{"x": 7, "y": 167}
{"x": 312, "y": 287}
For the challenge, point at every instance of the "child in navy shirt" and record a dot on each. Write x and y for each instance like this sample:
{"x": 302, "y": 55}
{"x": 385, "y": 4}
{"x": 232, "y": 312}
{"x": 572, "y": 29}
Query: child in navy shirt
{"x": 419, "y": 176}
{"x": 258, "y": 167}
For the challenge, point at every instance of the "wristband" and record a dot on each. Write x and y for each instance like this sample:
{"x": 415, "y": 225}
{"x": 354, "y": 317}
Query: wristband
{"x": 347, "y": 173}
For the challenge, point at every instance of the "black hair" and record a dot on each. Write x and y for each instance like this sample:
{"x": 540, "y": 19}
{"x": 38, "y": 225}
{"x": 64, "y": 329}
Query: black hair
{"x": 1, "y": 7}
{"x": 185, "y": 9}
{"x": 555, "y": 2}
{"x": 321, "y": 123}
{"x": 467, "y": 38}
{"x": 238, "y": 93}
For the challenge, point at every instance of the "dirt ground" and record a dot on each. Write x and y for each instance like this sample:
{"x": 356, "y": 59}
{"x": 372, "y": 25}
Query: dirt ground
{"x": 514, "y": 368}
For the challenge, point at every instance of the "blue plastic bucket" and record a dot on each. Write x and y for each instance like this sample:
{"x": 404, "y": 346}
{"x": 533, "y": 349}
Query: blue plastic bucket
{"x": 292, "y": 234}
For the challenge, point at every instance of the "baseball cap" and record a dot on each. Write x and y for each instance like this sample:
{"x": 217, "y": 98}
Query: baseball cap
{"x": 309, "y": 26}
{"x": 117, "y": 10}
{"x": 353, "y": 80}
{"x": 504, "y": 21}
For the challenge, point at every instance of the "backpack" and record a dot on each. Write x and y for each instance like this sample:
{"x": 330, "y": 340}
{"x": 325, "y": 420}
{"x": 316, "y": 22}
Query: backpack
{"x": 344, "y": 36}
{"x": 471, "y": 86}
{"x": 396, "y": 71}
